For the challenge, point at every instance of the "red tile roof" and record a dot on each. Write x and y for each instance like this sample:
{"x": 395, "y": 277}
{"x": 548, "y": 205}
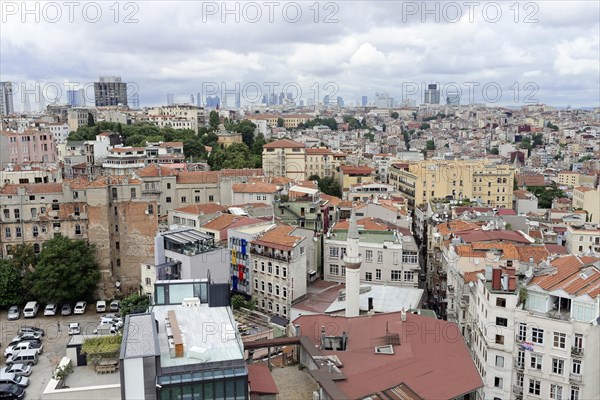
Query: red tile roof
{"x": 575, "y": 275}
{"x": 254, "y": 187}
{"x": 485, "y": 236}
{"x": 260, "y": 380}
{"x": 359, "y": 170}
{"x": 202, "y": 209}
{"x": 33, "y": 188}
{"x": 432, "y": 359}
{"x": 315, "y": 151}
{"x": 279, "y": 238}
{"x": 185, "y": 177}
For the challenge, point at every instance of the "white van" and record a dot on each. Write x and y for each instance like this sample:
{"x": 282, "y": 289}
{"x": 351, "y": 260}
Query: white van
{"x": 100, "y": 306}
{"x": 31, "y": 309}
{"x": 29, "y": 357}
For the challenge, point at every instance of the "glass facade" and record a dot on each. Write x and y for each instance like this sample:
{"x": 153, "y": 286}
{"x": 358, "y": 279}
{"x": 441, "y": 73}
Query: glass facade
{"x": 227, "y": 383}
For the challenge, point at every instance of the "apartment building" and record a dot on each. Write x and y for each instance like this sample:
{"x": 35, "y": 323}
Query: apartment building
{"x": 524, "y": 202}
{"x": 285, "y": 158}
{"x": 574, "y": 179}
{"x": 423, "y": 181}
{"x": 124, "y": 161}
{"x": 320, "y": 161}
{"x": 112, "y": 214}
{"x": 390, "y": 254}
{"x": 353, "y": 175}
{"x": 279, "y": 268}
{"x": 588, "y": 199}
{"x": 289, "y": 120}
{"x": 178, "y": 116}
{"x": 583, "y": 239}
{"x": 557, "y": 332}
{"x": 243, "y": 193}
{"x": 27, "y": 146}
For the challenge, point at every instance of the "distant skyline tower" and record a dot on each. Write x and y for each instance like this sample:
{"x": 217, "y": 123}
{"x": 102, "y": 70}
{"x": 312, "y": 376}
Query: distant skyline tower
{"x": 453, "y": 99}
{"x": 352, "y": 261}
{"x": 432, "y": 94}
{"x": 76, "y": 98}
{"x": 110, "y": 91}
{"x": 364, "y": 101}
{"x": 340, "y": 102}
{"x": 135, "y": 101}
{"x": 170, "y": 100}
{"x": 192, "y": 99}
{"x": 6, "y": 98}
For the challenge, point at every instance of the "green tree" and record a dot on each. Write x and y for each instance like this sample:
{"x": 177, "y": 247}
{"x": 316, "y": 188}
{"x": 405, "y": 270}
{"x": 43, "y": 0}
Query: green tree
{"x": 214, "y": 120}
{"x": 494, "y": 150}
{"x": 11, "y": 285}
{"x": 90, "y": 122}
{"x": 330, "y": 186}
{"x": 134, "y": 304}
{"x": 395, "y": 115}
{"x": 369, "y": 136}
{"x": 66, "y": 271}
{"x": 425, "y": 126}
{"x": 194, "y": 148}
{"x": 430, "y": 145}
{"x": 280, "y": 122}
{"x": 210, "y": 139}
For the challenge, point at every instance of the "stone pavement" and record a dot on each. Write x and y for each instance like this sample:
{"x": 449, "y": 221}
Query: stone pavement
{"x": 293, "y": 383}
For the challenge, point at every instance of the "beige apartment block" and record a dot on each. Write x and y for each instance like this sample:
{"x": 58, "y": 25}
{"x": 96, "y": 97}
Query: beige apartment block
{"x": 427, "y": 180}
{"x": 588, "y": 199}
{"x": 285, "y": 158}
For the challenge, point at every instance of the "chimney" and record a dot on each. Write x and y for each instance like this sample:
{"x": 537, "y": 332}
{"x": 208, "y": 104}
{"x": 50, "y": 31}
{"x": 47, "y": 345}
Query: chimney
{"x": 298, "y": 330}
{"x": 322, "y": 336}
{"x": 504, "y": 282}
{"x": 512, "y": 283}
{"x": 403, "y": 315}
{"x": 488, "y": 273}
{"x": 496, "y": 277}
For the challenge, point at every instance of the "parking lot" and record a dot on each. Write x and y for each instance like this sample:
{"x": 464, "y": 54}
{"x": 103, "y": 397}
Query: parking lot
{"x": 54, "y": 342}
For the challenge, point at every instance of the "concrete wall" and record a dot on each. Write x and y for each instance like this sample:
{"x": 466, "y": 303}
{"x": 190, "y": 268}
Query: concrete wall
{"x": 133, "y": 371}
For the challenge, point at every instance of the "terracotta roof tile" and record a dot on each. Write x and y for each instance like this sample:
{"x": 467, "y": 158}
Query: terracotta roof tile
{"x": 279, "y": 236}
{"x": 33, "y": 188}
{"x": 187, "y": 177}
{"x": 201, "y": 209}
{"x": 220, "y": 222}
{"x": 360, "y": 170}
{"x": 575, "y": 275}
{"x": 284, "y": 144}
{"x": 254, "y": 187}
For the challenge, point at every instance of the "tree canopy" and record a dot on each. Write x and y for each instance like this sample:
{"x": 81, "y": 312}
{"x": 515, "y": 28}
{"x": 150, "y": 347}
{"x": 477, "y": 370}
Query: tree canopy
{"x": 134, "y": 304}
{"x": 66, "y": 271}
{"x": 327, "y": 185}
{"x": 11, "y": 284}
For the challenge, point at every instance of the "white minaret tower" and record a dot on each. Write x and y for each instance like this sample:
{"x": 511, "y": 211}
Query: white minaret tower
{"x": 352, "y": 260}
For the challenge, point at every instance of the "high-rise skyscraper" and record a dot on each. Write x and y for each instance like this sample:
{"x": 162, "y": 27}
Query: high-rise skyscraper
{"x": 432, "y": 94}
{"x": 340, "y": 102}
{"x": 110, "y": 91}
{"x": 6, "y": 98}
{"x": 364, "y": 101}
{"x": 170, "y": 100}
{"x": 453, "y": 99}
{"x": 76, "y": 98}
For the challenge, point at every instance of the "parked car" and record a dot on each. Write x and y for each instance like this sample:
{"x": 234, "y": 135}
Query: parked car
{"x": 11, "y": 391}
{"x": 100, "y": 306}
{"x": 14, "y": 379}
{"x": 29, "y": 357}
{"x": 113, "y": 319}
{"x": 80, "y": 307}
{"x": 31, "y": 309}
{"x": 66, "y": 309}
{"x": 50, "y": 310}
{"x": 14, "y": 312}
{"x": 10, "y": 350}
{"x": 13, "y": 342}
{"x": 26, "y": 336}
{"x": 74, "y": 328}
{"x": 115, "y": 305}
{"x": 18, "y": 369}
{"x": 31, "y": 329}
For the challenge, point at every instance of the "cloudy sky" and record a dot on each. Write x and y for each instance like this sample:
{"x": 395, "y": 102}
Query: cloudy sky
{"x": 507, "y": 53}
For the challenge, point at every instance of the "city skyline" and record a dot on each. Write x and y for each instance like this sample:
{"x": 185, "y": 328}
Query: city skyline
{"x": 535, "y": 52}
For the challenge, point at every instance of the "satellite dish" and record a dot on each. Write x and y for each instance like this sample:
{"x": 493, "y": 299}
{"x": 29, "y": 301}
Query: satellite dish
{"x": 471, "y": 284}
{"x": 118, "y": 283}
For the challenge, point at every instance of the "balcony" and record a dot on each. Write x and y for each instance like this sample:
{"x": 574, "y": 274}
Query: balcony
{"x": 270, "y": 254}
{"x": 517, "y": 389}
{"x": 576, "y": 352}
{"x": 575, "y": 378}
{"x": 519, "y": 365}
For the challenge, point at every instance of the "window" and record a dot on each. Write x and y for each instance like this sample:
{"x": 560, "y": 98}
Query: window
{"x": 368, "y": 255}
{"x": 284, "y": 293}
{"x": 556, "y": 391}
{"x": 409, "y": 257}
{"x": 396, "y": 275}
{"x": 380, "y": 256}
{"x": 256, "y": 284}
{"x": 334, "y": 252}
{"x": 270, "y": 306}
{"x": 276, "y": 290}
{"x": 36, "y": 248}
{"x": 378, "y": 274}
{"x": 148, "y": 282}
{"x": 500, "y": 361}
{"x": 270, "y": 287}
{"x": 133, "y": 194}
{"x": 118, "y": 262}
{"x": 334, "y": 269}
{"x": 536, "y": 361}
{"x": 7, "y": 232}
{"x": 499, "y": 339}
{"x": 269, "y": 268}
{"x": 18, "y": 232}
{"x": 521, "y": 358}
{"x": 534, "y": 387}
{"x": 262, "y": 286}
{"x": 558, "y": 366}
{"x": 576, "y": 367}
{"x": 574, "y": 393}
{"x": 116, "y": 228}
{"x": 117, "y": 245}
{"x": 168, "y": 186}
{"x": 114, "y": 193}
{"x": 150, "y": 209}
{"x": 76, "y": 211}
{"x": 368, "y": 276}
{"x": 168, "y": 199}
{"x": 35, "y": 231}
{"x": 498, "y": 382}
{"x": 537, "y": 335}
{"x": 277, "y": 270}
{"x": 34, "y": 213}
{"x": 560, "y": 340}
{"x": 211, "y": 198}
{"x": 6, "y": 213}
{"x": 522, "y": 332}
{"x": 183, "y": 199}
{"x": 578, "y": 342}
{"x": 501, "y": 321}
{"x": 42, "y": 210}
{"x": 519, "y": 379}
{"x": 78, "y": 229}
{"x": 409, "y": 276}
{"x": 343, "y": 270}
{"x": 197, "y": 199}
{"x": 500, "y": 302}
{"x": 18, "y": 212}
{"x": 284, "y": 311}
